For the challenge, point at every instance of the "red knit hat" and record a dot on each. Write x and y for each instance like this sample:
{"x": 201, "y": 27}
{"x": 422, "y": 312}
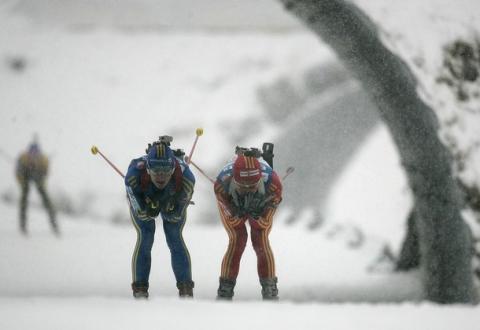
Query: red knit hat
{"x": 246, "y": 170}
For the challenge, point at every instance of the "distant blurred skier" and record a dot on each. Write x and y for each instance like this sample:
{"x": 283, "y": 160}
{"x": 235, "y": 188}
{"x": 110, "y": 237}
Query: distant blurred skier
{"x": 32, "y": 166}
{"x": 160, "y": 183}
{"x": 248, "y": 190}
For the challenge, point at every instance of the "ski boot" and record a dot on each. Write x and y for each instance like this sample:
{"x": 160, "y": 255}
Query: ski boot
{"x": 55, "y": 229}
{"x": 185, "y": 289}
{"x": 269, "y": 288}
{"x": 23, "y": 222}
{"x": 140, "y": 290}
{"x": 23, "y": 228}
{"x": 225, "y": 289}
{"x": 53, "y": 222}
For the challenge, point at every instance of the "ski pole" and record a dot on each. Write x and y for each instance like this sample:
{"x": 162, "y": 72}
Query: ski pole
{"x": 95, "y": 150}
{"x": 198, "y": 133}
{"x": 290, "y": 170}
{"x": 202, "y": 172}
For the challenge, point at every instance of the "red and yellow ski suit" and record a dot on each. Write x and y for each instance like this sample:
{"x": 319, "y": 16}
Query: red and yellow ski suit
{"x": 235, "y": 226}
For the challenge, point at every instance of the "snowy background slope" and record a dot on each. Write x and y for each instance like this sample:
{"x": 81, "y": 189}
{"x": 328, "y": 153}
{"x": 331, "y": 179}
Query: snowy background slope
{"x": 120, "y": 88}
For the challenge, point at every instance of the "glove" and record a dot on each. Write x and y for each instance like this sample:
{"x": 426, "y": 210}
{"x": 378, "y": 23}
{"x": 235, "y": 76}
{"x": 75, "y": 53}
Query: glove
{"x": 152, "y": 209}
{"x": 169, "y": 206}
{"x": 237, "y": 211}
{"x": 255, "y": 204}
{"x": 173, "y": 210}
{"x": 172, "y": 217}
{"x": 237, "y": 206}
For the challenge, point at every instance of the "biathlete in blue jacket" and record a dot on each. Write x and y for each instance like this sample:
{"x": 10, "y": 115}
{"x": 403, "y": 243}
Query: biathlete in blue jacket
{"x": 160, "y": 183}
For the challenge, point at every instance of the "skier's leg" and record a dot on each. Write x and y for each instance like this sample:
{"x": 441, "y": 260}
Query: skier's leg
{"x": 237, "y": 240}
{"x": 47, "y": 204}
{"x": 141, "y": 260}
{"x": 261, "y": 245}
{"x": 265, "y": 259}
{"x": 25, "y": 187}
{"x": 180, "y": 257}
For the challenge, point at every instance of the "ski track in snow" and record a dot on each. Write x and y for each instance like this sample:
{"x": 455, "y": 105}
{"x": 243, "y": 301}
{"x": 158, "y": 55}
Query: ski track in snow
{"x": 82, "y": 281}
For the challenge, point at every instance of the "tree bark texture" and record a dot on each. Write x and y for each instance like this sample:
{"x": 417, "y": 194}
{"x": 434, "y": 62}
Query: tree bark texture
{"x": 443, "y": 239}
{"x": 409, "y": 257}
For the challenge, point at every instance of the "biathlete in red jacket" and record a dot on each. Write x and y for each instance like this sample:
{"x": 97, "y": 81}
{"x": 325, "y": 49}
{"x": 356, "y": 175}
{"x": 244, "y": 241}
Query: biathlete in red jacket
{"x": 248, "y": 190}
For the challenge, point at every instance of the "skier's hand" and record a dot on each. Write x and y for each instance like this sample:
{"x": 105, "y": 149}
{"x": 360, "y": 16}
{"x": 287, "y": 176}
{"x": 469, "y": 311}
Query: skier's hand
{"x": 152, "y": 209}
{"x": 169, "y": 206}
{"x": 142, "y": 215}
{"x": 174, "y": 210}
{"x": 256, "y": 204}
{"x": 237, "y": 211}
{"x": 172, "y": 217}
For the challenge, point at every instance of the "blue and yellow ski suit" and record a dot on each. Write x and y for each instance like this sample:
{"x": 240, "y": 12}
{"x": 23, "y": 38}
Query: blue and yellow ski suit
{"x": 173, "y": 201}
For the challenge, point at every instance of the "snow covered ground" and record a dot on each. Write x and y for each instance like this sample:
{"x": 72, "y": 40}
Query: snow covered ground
{"x": 119, "y": 91}
{"x": 81, "y": 281}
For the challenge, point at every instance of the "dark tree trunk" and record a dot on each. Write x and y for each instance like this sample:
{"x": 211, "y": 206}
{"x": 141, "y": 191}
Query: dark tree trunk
{"x": 409, "y": 257}
{"x": 444, "y": 242}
